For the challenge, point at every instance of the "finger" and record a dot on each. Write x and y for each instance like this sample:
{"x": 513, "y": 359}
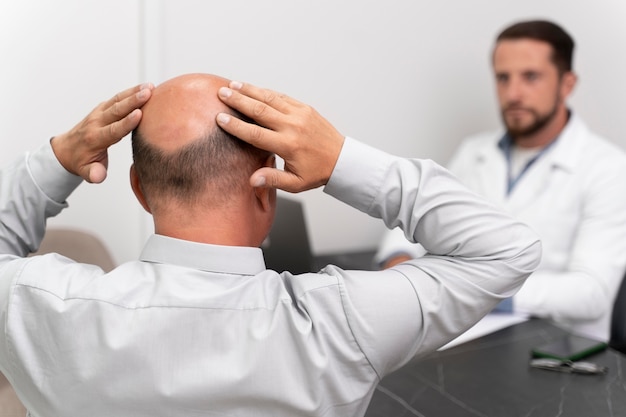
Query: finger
{"x": 96, "y": 173}
{"x": 125, "y": 102}
{"x": 276, "y": 100}
{"x": 255, "y": 135}
{"x": 129, "y": 92}
{"x": 276, "y": 178}
{"x": 115, "y": 131}
{"x": 256, "y": 110}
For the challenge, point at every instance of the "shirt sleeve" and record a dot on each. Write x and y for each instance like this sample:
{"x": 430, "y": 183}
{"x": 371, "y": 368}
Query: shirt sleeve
{"x": 477, "y": 255}
{"x": 31, "y": 190}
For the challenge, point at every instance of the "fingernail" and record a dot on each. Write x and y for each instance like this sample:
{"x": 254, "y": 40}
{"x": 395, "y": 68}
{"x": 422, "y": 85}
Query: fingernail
{"x": 225, "y": 92}
{"x": 259, "y": 181}
{"x": 236, "y": 85}
{"x": 142, "y": 94}
{"x": 223, "y": 118}
{"x": 145, "y": 86}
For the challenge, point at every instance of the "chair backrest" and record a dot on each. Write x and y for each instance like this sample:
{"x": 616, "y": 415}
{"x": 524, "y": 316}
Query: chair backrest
{"x": 78, "y": 245}
{"x": 618, "y": 320}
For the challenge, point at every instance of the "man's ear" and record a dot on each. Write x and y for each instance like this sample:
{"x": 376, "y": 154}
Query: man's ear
{"x": 568, "y": 82}
{"x": 136, "y": 186}
{"x": 267, "y": 196}
{"x": 270, "y": 162}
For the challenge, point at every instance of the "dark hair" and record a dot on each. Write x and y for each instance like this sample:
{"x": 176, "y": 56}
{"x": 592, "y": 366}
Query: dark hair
{"x": 218, "y": 160}
{"x": 545, "y": 31}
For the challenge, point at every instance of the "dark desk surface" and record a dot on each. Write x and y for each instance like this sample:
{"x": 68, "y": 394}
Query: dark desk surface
{"x": 490, "y": 377}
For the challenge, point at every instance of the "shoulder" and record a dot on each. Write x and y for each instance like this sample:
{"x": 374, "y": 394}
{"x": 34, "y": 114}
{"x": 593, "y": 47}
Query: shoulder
{"x": 480, "y": 142}
{"x": 487, "y": 138}
{"x": 51, "y": 273}
{"x": 474, "y": 149}
{"x": 302, "y": 284}
{"x": 592, "y": 147}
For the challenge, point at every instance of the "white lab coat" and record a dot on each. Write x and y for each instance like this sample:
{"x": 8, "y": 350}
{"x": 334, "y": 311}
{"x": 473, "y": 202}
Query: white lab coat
{"x": 574, "y": 197}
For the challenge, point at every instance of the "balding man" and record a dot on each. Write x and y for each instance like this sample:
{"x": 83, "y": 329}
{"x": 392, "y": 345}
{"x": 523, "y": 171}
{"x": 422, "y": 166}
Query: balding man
{"x": 198, "y": 325}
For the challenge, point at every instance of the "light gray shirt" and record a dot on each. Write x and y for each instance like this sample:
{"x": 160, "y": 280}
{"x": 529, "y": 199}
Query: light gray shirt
{"x": 193, "y": 329}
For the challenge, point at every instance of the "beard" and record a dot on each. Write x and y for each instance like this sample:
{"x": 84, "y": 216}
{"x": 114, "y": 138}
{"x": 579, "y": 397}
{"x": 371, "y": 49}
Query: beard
{"x": 539, "y": 120}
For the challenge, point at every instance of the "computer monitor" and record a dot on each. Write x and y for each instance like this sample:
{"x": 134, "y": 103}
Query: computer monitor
{"x": 287, "y": 247}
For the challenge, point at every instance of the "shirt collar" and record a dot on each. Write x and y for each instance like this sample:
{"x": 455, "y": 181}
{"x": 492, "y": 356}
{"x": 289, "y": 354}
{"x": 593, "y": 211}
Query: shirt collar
{"x": 567, "y": 147}
{"x": 239, "y": 260}
{"x": 505, "y": 143}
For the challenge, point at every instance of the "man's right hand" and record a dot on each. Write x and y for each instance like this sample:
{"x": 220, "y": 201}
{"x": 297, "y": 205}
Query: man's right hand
{"x": 297, "y": 133}
{"x": 83, "y": 149}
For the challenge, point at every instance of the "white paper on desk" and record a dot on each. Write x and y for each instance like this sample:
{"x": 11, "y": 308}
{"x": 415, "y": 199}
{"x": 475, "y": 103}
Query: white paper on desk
{"x": 490, "y": 323}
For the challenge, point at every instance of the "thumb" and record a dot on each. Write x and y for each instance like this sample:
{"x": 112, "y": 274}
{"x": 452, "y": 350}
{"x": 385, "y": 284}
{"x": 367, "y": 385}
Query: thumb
{"x": 95, "y": 173}
{"x": 276, "y": 178}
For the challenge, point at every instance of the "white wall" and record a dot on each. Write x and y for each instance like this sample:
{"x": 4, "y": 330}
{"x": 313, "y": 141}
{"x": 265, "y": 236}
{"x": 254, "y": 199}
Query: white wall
{"x": 59, "y": 60}
{"x": 409, "y": 76}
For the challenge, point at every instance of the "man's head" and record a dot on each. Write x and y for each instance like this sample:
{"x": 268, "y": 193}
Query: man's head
{"x": 533, "y": 68}
{"x": 186, "y": 169}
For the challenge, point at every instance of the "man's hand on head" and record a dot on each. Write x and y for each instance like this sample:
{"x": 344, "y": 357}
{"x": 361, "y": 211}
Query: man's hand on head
{"x": 297, "y": 133}
{"x": 83, "y": 149}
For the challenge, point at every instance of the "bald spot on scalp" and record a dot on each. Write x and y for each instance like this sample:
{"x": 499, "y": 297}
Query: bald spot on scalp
{"x": 182, "y": 110}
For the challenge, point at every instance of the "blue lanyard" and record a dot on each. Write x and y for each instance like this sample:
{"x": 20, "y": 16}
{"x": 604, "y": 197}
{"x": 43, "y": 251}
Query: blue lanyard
{"x": 506, "y": 145}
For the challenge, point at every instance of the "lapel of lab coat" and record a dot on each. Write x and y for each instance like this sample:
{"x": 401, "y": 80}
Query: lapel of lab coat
{"x": 560, "y": 159}
{"x": 546, "y": 173}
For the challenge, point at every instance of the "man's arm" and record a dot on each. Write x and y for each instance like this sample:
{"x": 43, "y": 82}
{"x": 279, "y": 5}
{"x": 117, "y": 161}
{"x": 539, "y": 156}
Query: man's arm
{"x": 477, "y": 255}
{"x": 585, "y": 290}
{"x": 394, "y": 247}
{"x": 35, "y": 187}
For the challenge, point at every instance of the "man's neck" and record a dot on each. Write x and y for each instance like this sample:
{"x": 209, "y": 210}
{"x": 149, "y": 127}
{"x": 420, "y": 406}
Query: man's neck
{"x": 547, "y": 135}
{"x": 220, "y": 226}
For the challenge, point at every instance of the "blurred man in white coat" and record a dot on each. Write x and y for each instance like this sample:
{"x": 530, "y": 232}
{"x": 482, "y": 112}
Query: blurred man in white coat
{"x": 549, "y": 170}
